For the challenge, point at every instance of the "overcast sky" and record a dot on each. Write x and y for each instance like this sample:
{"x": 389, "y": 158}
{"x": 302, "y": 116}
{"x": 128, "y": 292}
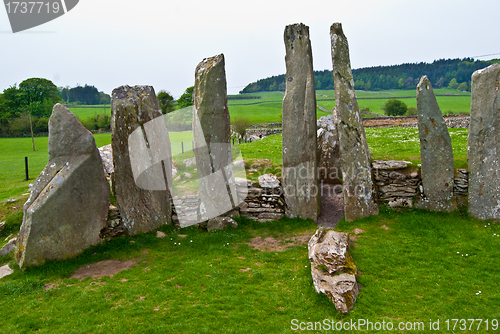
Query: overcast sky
{"x": 151, "y": 42}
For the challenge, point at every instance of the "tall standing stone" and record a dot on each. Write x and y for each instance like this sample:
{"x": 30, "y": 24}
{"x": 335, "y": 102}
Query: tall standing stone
{"x": 300, "y": 151}
{"x": 484, "y": 144}
{"x": 141, "y": 159}
{"x": 435, "y": 151}
{"x": 357, "y": 180}
{"x": 212, "y": 135}
{"x": 69, "y": 201}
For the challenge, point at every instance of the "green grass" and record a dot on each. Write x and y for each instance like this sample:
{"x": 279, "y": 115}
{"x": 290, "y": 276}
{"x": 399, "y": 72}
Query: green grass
{"x": 84, "y": 113}
{"x": 214, "y": 282}
{"x": 12, "y": 170}
{"x": 398, "y": 143}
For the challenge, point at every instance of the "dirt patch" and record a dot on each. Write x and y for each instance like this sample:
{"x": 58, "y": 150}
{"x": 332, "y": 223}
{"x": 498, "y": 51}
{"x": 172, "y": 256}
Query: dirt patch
{"x": 332, "y": 206}
{"x": 103, "y": 268}
{"x": 280, "y": 244}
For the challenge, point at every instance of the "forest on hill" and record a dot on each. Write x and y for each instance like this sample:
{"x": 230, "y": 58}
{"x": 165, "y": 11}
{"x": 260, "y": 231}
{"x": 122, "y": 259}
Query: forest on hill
{"x": 452, "y": 73}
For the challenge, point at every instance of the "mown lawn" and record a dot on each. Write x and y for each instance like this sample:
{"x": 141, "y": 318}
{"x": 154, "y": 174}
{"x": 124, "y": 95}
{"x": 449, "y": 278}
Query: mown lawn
{"x": 413, "y": 266}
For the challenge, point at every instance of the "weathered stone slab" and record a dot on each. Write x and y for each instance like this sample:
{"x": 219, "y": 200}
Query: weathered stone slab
{"x": 328, "y": 149}
{"x": 212, "y": 135}
{"x": 435, "y": 151}
{"x": 69, "y": 201}
{"x": 332, "y": 268}
{"x": 141, "y": 159}
{"x": 357, "y": 180}
{"x": 8, "y": 247}
{"x": 5, "y": 271}
{"x": 300, "y": 179}
{"x": 484, "y": 144}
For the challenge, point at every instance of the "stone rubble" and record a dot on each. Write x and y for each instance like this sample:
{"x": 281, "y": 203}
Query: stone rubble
{"x": 329, "y": 164}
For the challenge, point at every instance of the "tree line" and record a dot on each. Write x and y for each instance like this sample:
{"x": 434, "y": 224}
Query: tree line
{"x": 443, "y": 73}
{"x": 26, "y": 107}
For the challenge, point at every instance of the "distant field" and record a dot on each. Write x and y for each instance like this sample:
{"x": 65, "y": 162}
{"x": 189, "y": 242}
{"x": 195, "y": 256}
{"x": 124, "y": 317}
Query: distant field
{"x": 84, "y": 112}
{"x": 267, "y": 109}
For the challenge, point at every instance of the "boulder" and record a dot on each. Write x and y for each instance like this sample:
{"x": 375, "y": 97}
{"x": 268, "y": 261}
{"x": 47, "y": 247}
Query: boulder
{"x": 69, "y": 200}
{"x": 435, "y": 151}
{"x": 484, "y": 144}
{"x": 219, "y": 223}
{"x": 5, "y": 271}
{"x": 8, "y": 247}
{"x": 300, "y": 149}
{"x": 332, "y": 268}
{"x": 141, "y": 158}
{"x": 359, "y": 192}
{"x": 329, "y": 150}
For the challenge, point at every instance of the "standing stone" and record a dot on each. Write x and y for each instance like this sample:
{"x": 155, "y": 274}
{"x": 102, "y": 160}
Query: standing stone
{"x": 328, "y": 150}
{"x": 141, "y": 159}
{"x": 484, "y": 144}
{"x": 212, "y": 135}
{"x": 69, "y": 201}
{"x": 300, "y": 151}
{"x": 356, "y": 168}
{"x": 435, "y": 151}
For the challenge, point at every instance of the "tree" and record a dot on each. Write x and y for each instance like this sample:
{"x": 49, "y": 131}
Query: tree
{"x": 395, "y": 108}
{"x": 186, "y": 98}
{"x": 453, "y": 83}
{"x": 39, "y": 95}
{"x": 463, "y": 87}
{"x": 239, "y": 125}
{"x": 166, "y": 101}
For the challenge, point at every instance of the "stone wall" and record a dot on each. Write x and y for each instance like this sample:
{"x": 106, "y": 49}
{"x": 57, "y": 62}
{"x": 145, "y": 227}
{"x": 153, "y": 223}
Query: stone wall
{"x": 262, "y": 132}
{"x": 398, "y": 184}
{"x": 451, "y": 122}
{"x": 263, "y": 203}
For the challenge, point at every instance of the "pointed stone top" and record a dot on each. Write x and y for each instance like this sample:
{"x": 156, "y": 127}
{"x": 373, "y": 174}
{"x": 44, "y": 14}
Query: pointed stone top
{"x": 208, "y": 63}
{"x": 67, "y": 136}
{"x": 336, "y": 29}
{"x": 424, "y": 84}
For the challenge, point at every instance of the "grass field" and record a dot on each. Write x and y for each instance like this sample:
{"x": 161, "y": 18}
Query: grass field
{"x": 414, "y": 266}
{"x": 267, "y": 109}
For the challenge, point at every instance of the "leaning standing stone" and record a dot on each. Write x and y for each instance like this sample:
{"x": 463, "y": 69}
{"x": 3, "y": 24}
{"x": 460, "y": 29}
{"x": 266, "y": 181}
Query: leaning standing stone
{"x": 143, "y": 165}
{"x": 212, "y": 136}
{"x": 484, "y": 144}
{"x": 69, "y": 201}
{"x": 356, "y": 168}
{"x": 435, "y": 152}
{"x": 300, "y": 162}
